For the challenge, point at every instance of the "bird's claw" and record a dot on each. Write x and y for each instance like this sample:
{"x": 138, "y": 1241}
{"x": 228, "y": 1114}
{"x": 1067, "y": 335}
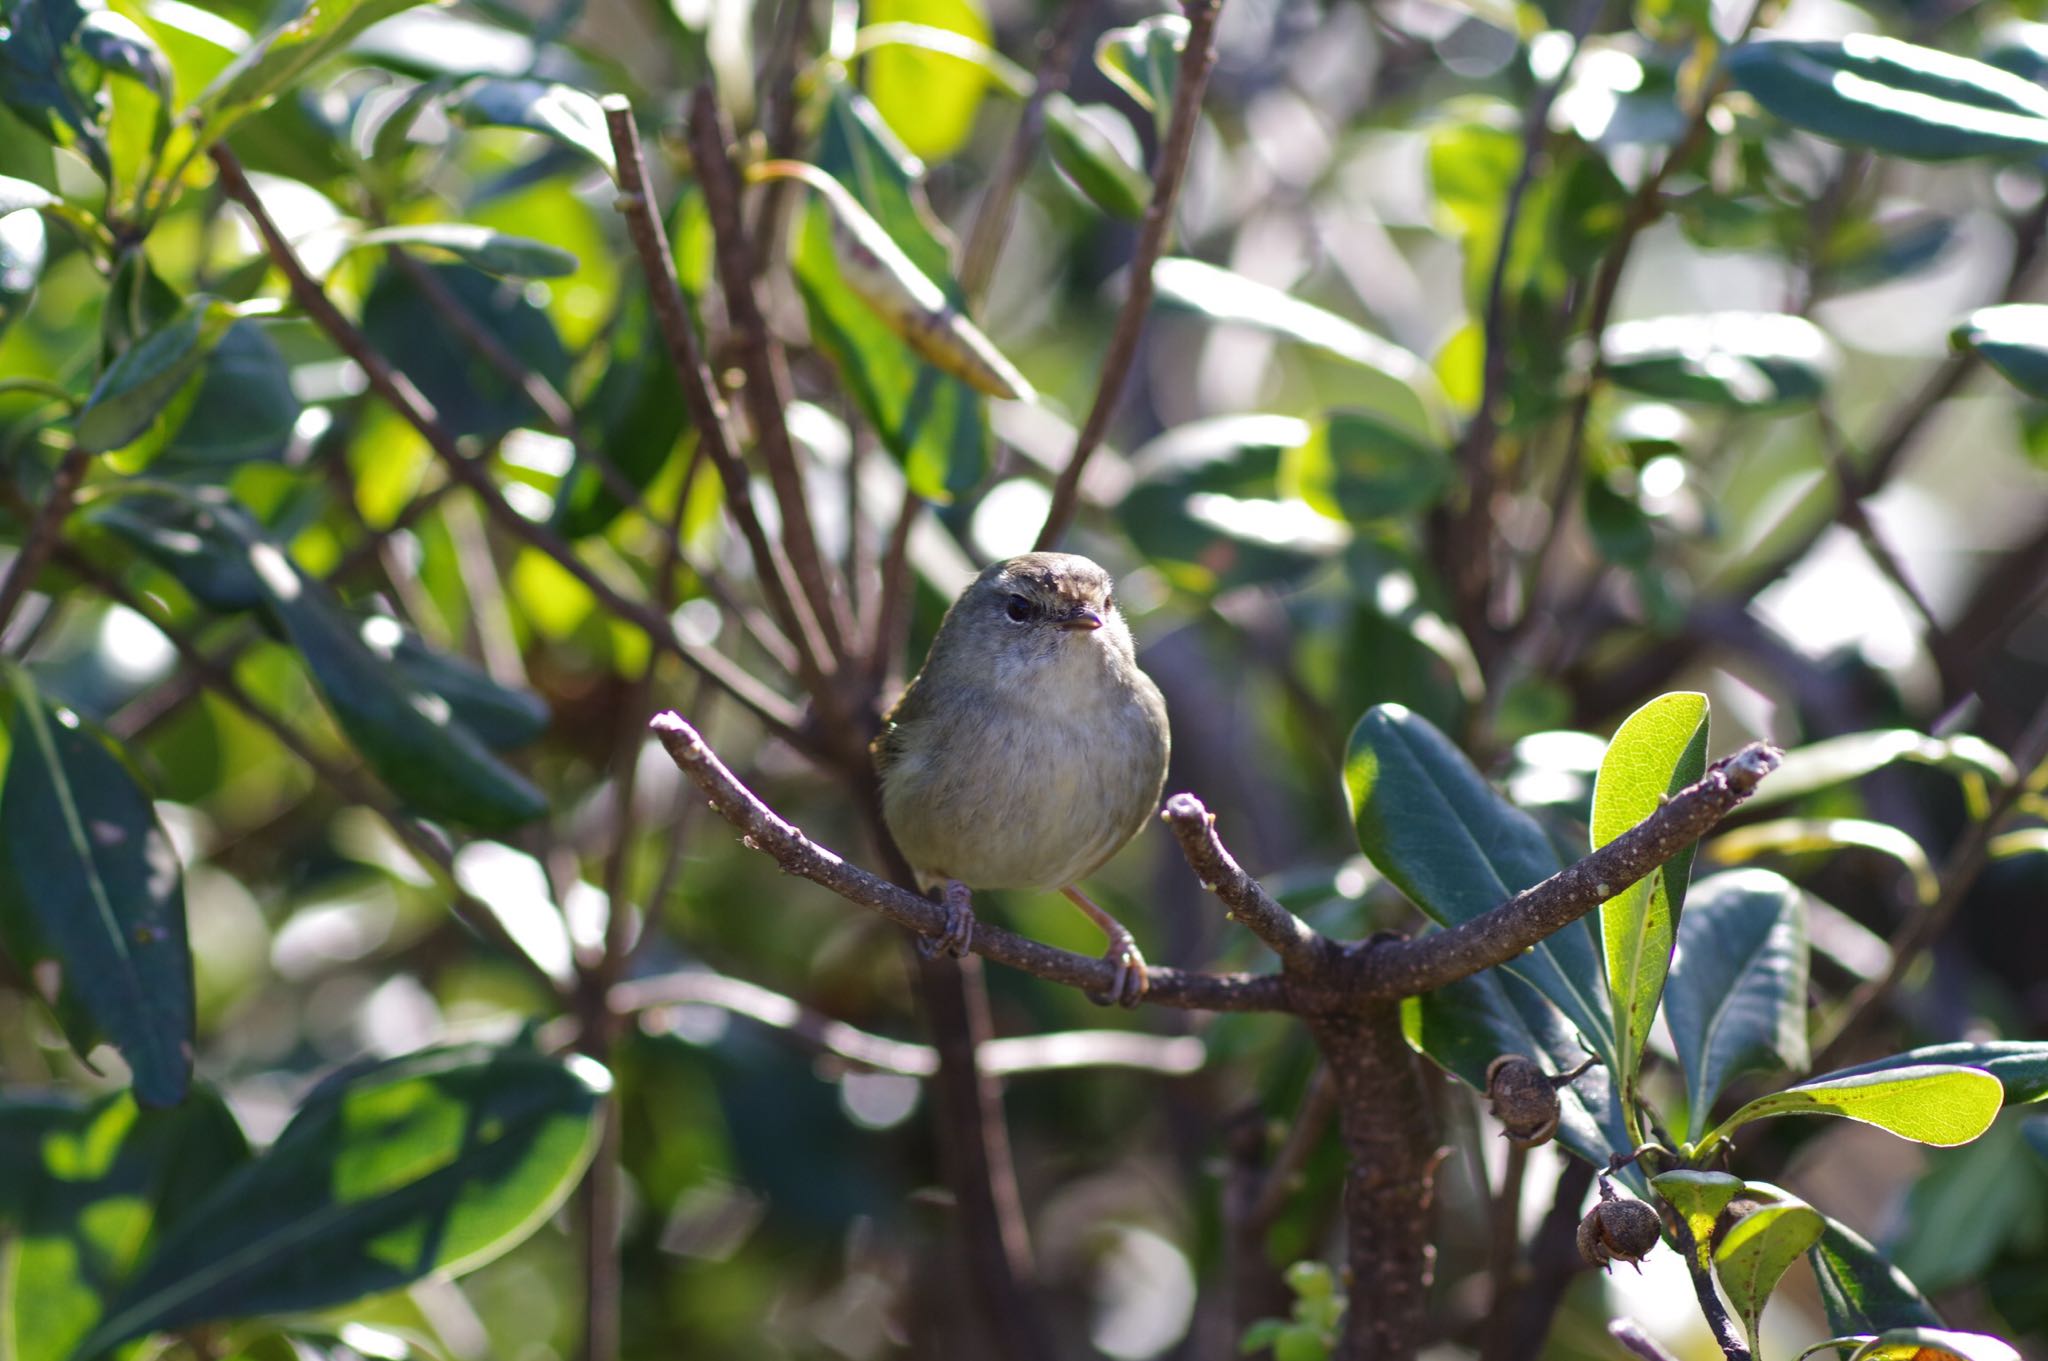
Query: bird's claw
{"x": 1127, "y": 986}
{"x": 957, "y": 936}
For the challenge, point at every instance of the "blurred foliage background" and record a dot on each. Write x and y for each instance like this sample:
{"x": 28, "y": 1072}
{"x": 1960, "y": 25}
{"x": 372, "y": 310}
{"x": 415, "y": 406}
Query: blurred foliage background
{"x": 1515, "y": 440}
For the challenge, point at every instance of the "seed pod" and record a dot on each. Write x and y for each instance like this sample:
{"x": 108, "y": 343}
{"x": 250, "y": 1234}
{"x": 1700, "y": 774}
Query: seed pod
{"x": 1523, "y": 1099}
{"x": 1618, "y": 1229}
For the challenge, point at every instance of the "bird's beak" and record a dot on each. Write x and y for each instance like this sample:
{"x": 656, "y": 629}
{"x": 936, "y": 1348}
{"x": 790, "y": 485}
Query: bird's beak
{"x": 1082, "y": 619}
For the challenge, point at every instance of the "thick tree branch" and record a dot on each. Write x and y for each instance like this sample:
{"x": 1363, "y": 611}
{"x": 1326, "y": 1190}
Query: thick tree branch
{"x": 1404, "y": 968}
{"x": 762, "y": 829}
{"x": 1195, "y": 60}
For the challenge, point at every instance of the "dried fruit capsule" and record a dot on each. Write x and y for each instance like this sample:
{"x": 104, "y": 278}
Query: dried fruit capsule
{"x": 1523, "y": 1099}
{"x": 1618, "y": 1229}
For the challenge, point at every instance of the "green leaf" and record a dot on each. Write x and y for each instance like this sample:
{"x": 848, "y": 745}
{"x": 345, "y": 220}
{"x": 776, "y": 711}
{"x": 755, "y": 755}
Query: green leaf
{"x": 1736, "y": 999}
{"x": 18, "y": 195}
{"x": 1464, "y": 1027}
{"x": 1090, "y": 158}
{"x": 244, "y": 407}
{"x": 141, "y": 385}
{"x": 502, "y": 718}
{"x": 1744, "y": 360}
{"x": 185, "y": 535}
{"x": 1851, "y": 756}
{"x": 935, "y": 425}
{"x": 432, "y": 1163}
{"x": 103, "y": 1184}
{"x": 1144, "y": 61}
{"x": 2012, "y": 338}
{"x": 1754, "y": 1255}
{"x": 568, "y": 115}
{"x": 88, "y": 877}
{"x": 1861, "y": 1291}
{"x": 1699, "y": 1198}
{"x": 469, "y": 395}
{"x": 41, "y": 79}
{"x": 1357, "y": 466}
{"x": 1895, "y": 97}
{"x": 1929, "y": 1103}
{"x": 1934, "y": 1344}
{"x": 279, "y": 57}
{"x": 1792, "y": 836}
{"x": 2021, "y": 1066}
{"x": 1409, "y": 388}
{"x": 24, "y": 246}
{"x": 1440, "y": 833}
{"x": 479, "y": 247}
{"x": 121, "y": 47}
{"x": 928, "y": 99}
{"x": 1658, "y": 750}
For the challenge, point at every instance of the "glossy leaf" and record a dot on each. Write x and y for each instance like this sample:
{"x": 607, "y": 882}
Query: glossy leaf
{"x": 1792, "y": 836}
{"x": 120, "y": 46}
{"x": 279, "y": 57}
{"x": 1358, "y": 466}
{"x": 1927, "y": 1103}
{"x": 89, "y": 879}
{"x": 502, "y": 718}
{"x": 1209, "y": 515}
{"x": 1658, "y": 750}
{"x": 40, "y": 85}
{"x": 934, "y": 424}
{"x": 1753, "y": 1256}
{"x": 243, "y": 408}
{"x": 1934, "y": 1344}
{"x": 1861, "y": 1291}
{"x": 470, "y": 396}
{"x": 141, "y": 385}
{"x": 929, "y": 100}
{"x": 201, "y": 540}
{"x": 1837, "y": 760}
{"x": 24, "y": 247}
{"x": 1736, "y": 999}
{"x": 1442, "y": 835}
{"x": 98, "y": 1186}
{"x": 2021, "y": 1066}
{"x": 1144, "y": 61}
{"x": 1895, "y": 97}
{"x": 633, "y": 417}
{"x": 1091, "y": 160}
{"x": 568, "y": 115}
{"x": 1699, "y": 1198}
{"x": 433, "y": 1163}
{"x": 492, "y": 252}
{"x": 1745, "y": 360}
{"x": 2012, "y": 338}
{"x": 1226, "y": 297}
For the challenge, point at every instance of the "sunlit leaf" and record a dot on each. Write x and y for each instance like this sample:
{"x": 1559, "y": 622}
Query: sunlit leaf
{"x": 1837, "y": 760}
{"x": 1735, "y": 359}
{"x": 487, "y": 250}
{"x": 1090, "y": 158}
{"x": 470, "y": 395}
{"x": 280, "y": 56}
{"x": 1934, "y": 1344}
{"x": 1927, "y": 1103}
{"x": 1144, "y": 60}
{"x": 1860, "y": 1289}
{"x": 1736, "y": 998}
{"x": 88, "y": 878}
{"x": 927, "y": 98}
{"x": 1356, "y": 466}
{"x": 1791, "y": 836}
{"x": 143, "y": 384}
{"x": 568, "y": 115}
{"x": 1699, "y": 1198}
{"x": 2021, "y": 1066}
{"x": 42, "y": 84}
{"x": 2012, "y": 338}
{"x": 1753, "y": 1256}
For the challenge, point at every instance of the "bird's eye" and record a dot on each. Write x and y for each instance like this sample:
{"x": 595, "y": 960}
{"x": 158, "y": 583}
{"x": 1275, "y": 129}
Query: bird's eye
{"x": 1019, "y": 609}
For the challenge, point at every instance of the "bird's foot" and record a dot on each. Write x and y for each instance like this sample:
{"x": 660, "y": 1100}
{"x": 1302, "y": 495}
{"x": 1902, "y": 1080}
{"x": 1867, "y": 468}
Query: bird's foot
{"x": 1127, "y": 986}
{"x": 957, "y": 935}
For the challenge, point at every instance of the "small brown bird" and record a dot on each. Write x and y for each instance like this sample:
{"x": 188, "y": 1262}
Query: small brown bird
{"x": 1028, "y": 750}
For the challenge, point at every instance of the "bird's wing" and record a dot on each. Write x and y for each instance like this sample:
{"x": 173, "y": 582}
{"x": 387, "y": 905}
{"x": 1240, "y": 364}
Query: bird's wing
{"x": 888, "y": 747}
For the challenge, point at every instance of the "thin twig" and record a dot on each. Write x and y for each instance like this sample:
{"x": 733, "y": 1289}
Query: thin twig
{"x": 1286, "y": 935}
{"x": 1504, "y": 1254}
{"x": 774, "y": 712}
{"x": 1196, "y": 59}
{"x": 1725, "y": 1334}
{"x": 42, "y": 532}
{"x": 762, "y": 829}
{"x": 1630, "y": 1334}
{"x": 992, "y": 220}
{"x": 1850, "y": 511}
{"x": 1282, "y": 1180}
{"x": 892, "y": 605}
{"x": 1405, "y": 968}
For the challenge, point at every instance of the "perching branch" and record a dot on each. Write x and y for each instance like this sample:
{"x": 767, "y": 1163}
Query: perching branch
{"x": 1296, "y": 942}
{"x": 762, "y": 829}
{"x": 1195, "y": 60}
{"x": 1404, "y": 968}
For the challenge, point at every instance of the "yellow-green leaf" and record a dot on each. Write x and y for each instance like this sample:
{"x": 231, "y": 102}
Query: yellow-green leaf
{"x": 1930, "y": 1104}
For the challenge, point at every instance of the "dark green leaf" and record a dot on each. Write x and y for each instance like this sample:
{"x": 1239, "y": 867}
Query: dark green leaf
{"x": 501, "y": 717}
{"x": 99, "y": 1185}
{"x": 1144, "y": 60}
{"x": 2012, "y": 338}
{"x": 1356, "y": 466}
{"x": 433, "y": 1163}
{"x": 490, "y": 251}
{"x": 280, "y": 56}
{"x": 1658, "y": 750}
{"x": 568, "y": 115}
{"x": 1874, "y": 252}
{"x": 1928, "y": 1103}
{"x": 2020, "y": 1066}
{"x": 470, "y": 395}
{"x": 46, "y": 81}
{"x": 1753, "y": 1256}
{"x": 1091, "y": 160}
{"x": 934, "y": 424}
{"x": 1895, "y": 97}
{"x": 244, "y": 408}
{"x": 142, "y": 384}
{"x": 1736, "y": 999}
{"x": 634, "y": 418}
{"x": 1442, "y": 835}
{"x": 119, "y": 44}
{"x": 88, "y": 876}
{"x": 186, "y": 536}
{"x": 1861, "y": 1291}
{"x": 1736, "y": 359}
